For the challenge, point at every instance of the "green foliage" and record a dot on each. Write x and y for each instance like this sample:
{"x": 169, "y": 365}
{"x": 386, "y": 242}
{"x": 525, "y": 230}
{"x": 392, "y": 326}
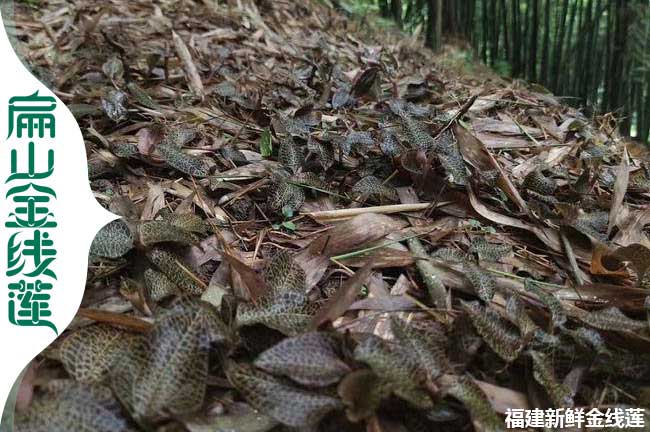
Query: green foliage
{"x": 286, "y": 403}
{"x": 311, "y": 359}
{"x": 180, "y": 160}
{"x": 168, "y": 374}
{"x": 394, "y": 364}
{"x": 113, "y": 240}
{"x": 285, "y": 306}
{"x": 176, "y": 270}
{"x": 266, "y": 145}
{"x": 72, "y": 406}
{"x": 88, "y": 353}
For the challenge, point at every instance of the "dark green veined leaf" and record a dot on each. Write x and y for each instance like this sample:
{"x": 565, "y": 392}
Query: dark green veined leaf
{"x": 537, "y": 182}
{"x": 323, "y": 151}
{"x": 125, "y": 150}
{"x": 357, "y": 141}
{"x": 516, "y": 312}
{"x": 152, "y": 232}
{"x": 113, "y": 240}
{"x": 88, "y": 353}
{"x": 489, "y": 251}
{"x": 178, "y": 136}
{"x": 494, "y": 331}
{"x": 612, "y": 319}
{"x": 311, "y": 359}
{"x": 451, "y": 255}
{"x": 389, "y": 143}
{"x": 113, "y": 68}
{"x": 558, "y": 315}
{"x": 470, "y": 394}
{"x": 72, "y": 406}
{"x": 169, "y": 375}
{"x": 448, "y": 152}
{"x": 288, "y": 312}
{"x": 395, "y": 365}
{"x": 284, "y": 274}
{"x": 287, "y": 404}
{"x": 372, "y": 186}
{"x": 242, "y": 208}
{"x": 424, "y": 343}
{"x": 114, "y": 105}
{"x": 544, "y": 374}
{"x": 483, "y": 282}
{"x": 284, "y": 194}
{"x": 290, "y": 155}
{"x": 189, "y": 222}
{"x": 141, "y": 96}
{"x": 176, "y": 271}
{"x": 180, "y": 160}
{"x": 158, "y": 285}
{"x": 416, "y": 132}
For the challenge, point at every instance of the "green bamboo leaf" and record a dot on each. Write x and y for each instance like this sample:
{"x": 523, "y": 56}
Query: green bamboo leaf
{"x": 266, "y": 145}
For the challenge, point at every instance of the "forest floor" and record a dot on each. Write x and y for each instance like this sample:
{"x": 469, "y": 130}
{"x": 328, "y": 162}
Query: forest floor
{"x": 327, "y": 227}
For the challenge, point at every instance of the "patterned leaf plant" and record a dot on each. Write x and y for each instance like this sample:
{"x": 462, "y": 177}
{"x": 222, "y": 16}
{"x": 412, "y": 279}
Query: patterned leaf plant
{"x": 73, "y": 406}
{"x": 285, "y": 307}
{"x": 169, "y": 274}
{"x": 311, "y": 359}
{"x": 286, "y": 403}
{"x": 168, "y": 376}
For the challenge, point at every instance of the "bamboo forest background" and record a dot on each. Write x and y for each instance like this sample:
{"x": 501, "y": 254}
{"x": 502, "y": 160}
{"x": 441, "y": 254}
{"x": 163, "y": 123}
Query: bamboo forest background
{"x": 594, "y": 52}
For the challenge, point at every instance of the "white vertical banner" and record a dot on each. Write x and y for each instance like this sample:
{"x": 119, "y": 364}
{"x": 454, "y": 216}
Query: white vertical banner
{"x": 48, "y": 217}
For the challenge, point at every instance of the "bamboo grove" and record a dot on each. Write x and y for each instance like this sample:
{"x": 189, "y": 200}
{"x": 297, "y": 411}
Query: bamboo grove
{"x": 596, "y": 53}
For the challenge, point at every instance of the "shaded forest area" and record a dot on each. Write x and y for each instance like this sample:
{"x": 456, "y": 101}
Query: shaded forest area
{"x": 594, "y": 52}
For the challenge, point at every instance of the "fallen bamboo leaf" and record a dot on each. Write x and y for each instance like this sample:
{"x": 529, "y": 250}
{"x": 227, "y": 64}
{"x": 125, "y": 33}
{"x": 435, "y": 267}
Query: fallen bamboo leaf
{"x": 116, "y": 319}
{"x": 620, "y": 187}
{"x": 191, "y": 72}
{"x": 343, "y": 298}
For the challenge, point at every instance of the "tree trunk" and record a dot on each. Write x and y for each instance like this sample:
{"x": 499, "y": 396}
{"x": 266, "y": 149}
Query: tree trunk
{"x": 547, "y": 41}
{"x": 559, "y": 46}
{"x": 434, "y": 24}
{"x": 396, "y": 11}
{"x": 532, "y": 56}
